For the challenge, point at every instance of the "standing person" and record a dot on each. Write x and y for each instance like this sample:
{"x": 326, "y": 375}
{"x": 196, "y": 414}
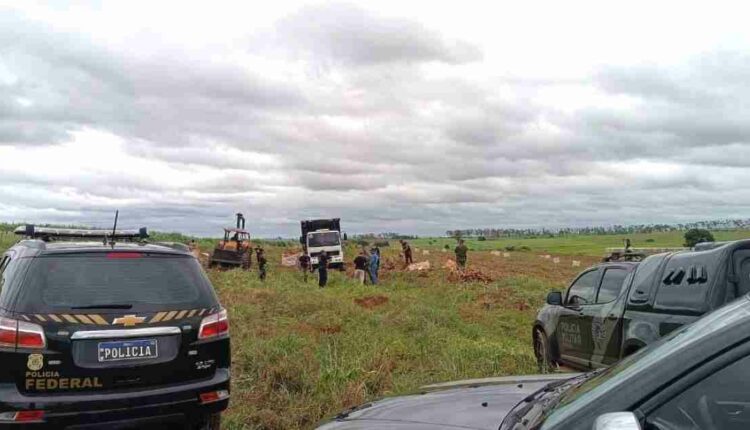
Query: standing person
{"x": 461, "y": 253}
{"x": 374, "y": 265}
{"x": 304, "y": 265}
{"x": 407, "y": 252}
{"x": 360, "y": 265}
{"x": 261, "y": 257}
{"x": 323, "y": 269}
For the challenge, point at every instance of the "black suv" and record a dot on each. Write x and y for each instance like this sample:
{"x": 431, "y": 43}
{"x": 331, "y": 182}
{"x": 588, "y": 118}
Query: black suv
{"x": 109, "y": 333}
{"x": 614, "y": 309}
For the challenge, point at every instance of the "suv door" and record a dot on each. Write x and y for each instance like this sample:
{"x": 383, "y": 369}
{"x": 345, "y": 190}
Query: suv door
{"x": 573, "y": 337}
{"x": 603, "y": 319}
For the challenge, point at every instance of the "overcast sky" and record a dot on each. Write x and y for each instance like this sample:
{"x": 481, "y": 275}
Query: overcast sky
{"x": 415, "y": 117}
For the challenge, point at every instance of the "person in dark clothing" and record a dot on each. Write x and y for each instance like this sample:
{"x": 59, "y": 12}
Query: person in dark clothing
{"x": 258, "y": 251}
{"x": 304, "y": 265}
{"x": 360, "y": 266}
{"x": 461, "y": 253}
{"x": 262, "y": 262}
{"x": 323, "y": 269}
{"x": 407, "y": 252}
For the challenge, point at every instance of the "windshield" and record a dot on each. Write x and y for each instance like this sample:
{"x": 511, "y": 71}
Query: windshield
{"x": 640, "y": 362}
{"x": 90, "y": 279}
{"x": 328, "y": 238}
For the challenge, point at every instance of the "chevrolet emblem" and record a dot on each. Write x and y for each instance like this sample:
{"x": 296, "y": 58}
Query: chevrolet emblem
{"x": 129, "y": 320}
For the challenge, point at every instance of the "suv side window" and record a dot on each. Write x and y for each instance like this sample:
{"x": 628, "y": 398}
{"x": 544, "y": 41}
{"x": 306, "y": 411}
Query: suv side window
{"x": 718, "y": 402}
{"x": 4, "y": 261}
{"x": 583, "y": 289}
{"x": 612, "y": 283}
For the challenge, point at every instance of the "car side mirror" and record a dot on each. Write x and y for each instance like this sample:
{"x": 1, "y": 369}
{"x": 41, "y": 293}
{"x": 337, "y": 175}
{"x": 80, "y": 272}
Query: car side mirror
{"x": 617, "y": 421}
{"x": 554, "y": 298}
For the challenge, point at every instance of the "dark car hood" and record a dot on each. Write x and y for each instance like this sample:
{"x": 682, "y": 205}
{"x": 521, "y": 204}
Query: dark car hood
{"x": 474, "y": 404}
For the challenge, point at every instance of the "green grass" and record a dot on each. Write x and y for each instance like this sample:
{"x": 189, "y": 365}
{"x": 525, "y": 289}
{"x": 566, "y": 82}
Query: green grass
{"x": 593, "y": 245}
{"x": 301, "y": 353}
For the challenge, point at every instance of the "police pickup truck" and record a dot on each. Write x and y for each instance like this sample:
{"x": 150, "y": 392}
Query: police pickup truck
{"x": 616, "y": 308}
{"x": 103, "y": 330}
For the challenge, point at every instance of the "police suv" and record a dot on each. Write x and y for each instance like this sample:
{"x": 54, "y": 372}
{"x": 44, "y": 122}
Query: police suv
{"x": 106, "y": 330}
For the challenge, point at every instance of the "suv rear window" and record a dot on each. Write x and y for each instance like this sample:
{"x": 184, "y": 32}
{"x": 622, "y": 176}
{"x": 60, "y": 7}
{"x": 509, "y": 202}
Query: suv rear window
{"x": 146, "y": 281}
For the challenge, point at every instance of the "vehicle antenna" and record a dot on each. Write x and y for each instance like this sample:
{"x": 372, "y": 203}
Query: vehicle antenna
{"x": 114, "y": 229}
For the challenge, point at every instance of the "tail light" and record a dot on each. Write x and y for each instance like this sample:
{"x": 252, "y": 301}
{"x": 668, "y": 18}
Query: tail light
{"x": 214, "y": 325}
{"x": 214, "y": 396}
{"x": 21, "y": 334}
{"x": 22, "y": 416}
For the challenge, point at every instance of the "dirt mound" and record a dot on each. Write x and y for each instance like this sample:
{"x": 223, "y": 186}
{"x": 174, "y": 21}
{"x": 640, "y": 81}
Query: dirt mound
{"x": 370, "y": 302}
{"x": 469, "y": 275}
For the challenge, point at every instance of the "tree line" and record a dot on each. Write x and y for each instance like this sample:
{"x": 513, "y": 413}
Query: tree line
{"x": 724, "y": 224}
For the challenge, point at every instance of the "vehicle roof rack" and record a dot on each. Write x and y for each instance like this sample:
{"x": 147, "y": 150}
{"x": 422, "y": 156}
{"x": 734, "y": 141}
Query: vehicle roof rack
{"x": 51, "y": 233}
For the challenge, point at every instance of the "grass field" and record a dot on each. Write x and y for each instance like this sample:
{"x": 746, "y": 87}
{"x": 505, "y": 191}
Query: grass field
{"x": 592, "y": 245}
{"x": 301, "y": 353}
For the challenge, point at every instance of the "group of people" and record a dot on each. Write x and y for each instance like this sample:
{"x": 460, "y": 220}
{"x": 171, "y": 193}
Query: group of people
{"x": 367, "y": 265}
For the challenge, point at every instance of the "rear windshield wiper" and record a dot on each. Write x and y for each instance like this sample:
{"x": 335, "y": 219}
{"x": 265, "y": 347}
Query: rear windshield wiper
{"x": 105, "y": 306}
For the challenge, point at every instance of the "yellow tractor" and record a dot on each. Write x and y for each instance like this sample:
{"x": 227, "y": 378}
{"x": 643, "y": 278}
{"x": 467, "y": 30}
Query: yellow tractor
{"x": 235, "y": 250}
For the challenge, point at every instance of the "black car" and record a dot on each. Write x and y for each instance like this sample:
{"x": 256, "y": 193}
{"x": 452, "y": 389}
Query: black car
{"x": 614, "y": 309}
{"x": 108, "y": 333}
{"x": 695, "y": 378}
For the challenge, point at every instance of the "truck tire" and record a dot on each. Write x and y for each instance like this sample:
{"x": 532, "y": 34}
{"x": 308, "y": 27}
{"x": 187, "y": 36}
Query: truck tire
{"x": 246, "y": 261}
{"x": 542, "y": 351}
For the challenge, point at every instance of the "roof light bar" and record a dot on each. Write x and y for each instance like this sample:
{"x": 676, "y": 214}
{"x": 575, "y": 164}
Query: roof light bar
{"x": 34, "y": 232}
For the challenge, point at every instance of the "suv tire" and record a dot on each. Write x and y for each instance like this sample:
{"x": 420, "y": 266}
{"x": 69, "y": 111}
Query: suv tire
{"x": 210, "y": 422}
{"x": 542, "y": 351}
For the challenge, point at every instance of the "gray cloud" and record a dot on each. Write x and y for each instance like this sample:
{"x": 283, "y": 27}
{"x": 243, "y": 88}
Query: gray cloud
{"x": 345, "y": 33}
{"x": 354, "y": 125}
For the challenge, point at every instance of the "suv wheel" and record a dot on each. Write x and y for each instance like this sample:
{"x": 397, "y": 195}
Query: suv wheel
{"x": 542, "y": 351}
{"x": 211, "y": 422}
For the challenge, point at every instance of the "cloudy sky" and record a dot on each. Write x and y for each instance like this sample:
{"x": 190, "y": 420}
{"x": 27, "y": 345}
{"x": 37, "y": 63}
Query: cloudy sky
{"x": 393, "y": 115}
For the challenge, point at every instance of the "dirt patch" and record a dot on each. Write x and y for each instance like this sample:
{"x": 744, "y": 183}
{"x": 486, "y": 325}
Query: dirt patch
{"x": 469, "y": 275}
{"x": 370, "y": 302}
{"x": 502, "y": 299}
{"x": 314, "y": 330}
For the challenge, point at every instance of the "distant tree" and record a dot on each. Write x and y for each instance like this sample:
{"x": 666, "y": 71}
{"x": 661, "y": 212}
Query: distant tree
{"x": 695, "y": 236}
{"x": 481, "y": 238}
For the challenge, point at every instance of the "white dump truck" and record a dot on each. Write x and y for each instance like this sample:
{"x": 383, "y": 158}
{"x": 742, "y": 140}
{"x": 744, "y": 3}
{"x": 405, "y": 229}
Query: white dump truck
{"x": 320, "y": 235}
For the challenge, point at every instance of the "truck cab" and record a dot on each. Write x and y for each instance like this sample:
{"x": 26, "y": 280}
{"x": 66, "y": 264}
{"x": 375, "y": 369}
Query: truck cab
{"x": 614, "y": 309}
{"x": 323, "y": 235}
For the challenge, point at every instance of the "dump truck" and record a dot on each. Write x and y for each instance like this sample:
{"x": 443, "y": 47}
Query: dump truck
{"x": 320, "y": 235}
{"x": 235, "y": 249}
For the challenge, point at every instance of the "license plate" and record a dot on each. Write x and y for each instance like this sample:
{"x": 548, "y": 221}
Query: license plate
{"x": 128, "y": 350}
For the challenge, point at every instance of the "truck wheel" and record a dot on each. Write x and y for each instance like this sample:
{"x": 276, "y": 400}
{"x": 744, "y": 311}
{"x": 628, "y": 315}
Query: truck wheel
{"x": 246, "y": 261}
{"x": 542, "y": 351}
